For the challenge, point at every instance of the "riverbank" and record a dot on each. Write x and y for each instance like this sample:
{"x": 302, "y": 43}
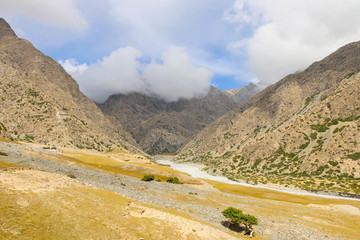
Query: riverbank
{"x": 195, "y": 171}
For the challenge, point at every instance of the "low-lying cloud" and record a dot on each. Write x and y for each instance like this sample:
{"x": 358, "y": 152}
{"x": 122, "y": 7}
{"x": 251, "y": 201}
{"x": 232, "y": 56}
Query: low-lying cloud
{"x": 172, "y": 77}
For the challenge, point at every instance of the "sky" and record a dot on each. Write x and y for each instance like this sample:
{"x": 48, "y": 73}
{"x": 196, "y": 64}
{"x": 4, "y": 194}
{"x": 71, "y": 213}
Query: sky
{"x": 179, "y": 48}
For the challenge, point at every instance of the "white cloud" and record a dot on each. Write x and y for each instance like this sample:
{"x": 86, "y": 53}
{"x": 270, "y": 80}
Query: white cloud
{"x": 122, "y": 72}
{"x": 154, "y": 26}
{"x": 293, "y": 34}
{"x": 73, "y": 67}
{"x": 243, "y": 13}
{"x": 116, "y": 73}
{"x": 176, "y": 77}
{"x": 60, "y": 13}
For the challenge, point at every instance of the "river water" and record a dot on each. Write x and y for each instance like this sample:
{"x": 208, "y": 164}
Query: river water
{"x": 194, "y": 170}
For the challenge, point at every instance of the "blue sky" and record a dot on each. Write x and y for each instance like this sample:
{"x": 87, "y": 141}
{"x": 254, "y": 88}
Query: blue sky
{"x": 178, "y": 48}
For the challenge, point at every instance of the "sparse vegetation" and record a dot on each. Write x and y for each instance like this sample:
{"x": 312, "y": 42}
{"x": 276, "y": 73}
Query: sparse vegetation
{"x": 191, "y": 193}
{"x": 173, "y": 180}
{"x": 354, "y": 156}
{"x": 308, "y": 100}
{"x": 3, "y": 153}
{"x": 319, "y": 127}
{"x": 313, "y": 135}
{"x": 237, "y": 217}
{"x": 148, "y": 178}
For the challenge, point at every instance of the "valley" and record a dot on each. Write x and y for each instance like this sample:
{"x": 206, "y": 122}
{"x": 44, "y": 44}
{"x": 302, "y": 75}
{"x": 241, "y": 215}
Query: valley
{"x": 30, "y": 175}
{"x": 140, "y": 167}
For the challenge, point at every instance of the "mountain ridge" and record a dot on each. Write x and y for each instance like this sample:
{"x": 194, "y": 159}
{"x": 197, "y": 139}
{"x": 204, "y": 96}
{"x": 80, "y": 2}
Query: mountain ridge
{"x": 163, "y": 127}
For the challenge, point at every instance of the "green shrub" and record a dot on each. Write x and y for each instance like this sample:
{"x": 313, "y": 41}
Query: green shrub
{"x": 237, "y": 217}
{"x": 313, "y": 135}
{"x": 333, "y": 122}
{"x": 305, "y": 145}
{"x": 71, "y": 176}
{"x": 333, "y": 163}
{"x": 3, "y": 153}
{"x": 257, "y": 162}
{"x": 308, "y": 100}
{"x": 173, "y": 180}
{"x": 349, "y": 119}
{"x": 148, "y": 178}
{"x": 354, "y": 156}
{"x": 319, "y": 127}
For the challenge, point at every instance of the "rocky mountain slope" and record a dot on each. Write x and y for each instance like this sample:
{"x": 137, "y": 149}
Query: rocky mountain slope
{"x": 161, "y": 127}
{"x": 304, "y": 130}
{"x": 41, "y": 103}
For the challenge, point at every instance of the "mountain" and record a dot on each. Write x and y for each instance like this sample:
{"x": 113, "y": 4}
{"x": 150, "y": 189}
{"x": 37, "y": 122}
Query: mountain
{"x": 303, "y": 131}
{"x": 162, "y": 127}
{"x": 241, "y": 95}
{"x": 41, "y": 103}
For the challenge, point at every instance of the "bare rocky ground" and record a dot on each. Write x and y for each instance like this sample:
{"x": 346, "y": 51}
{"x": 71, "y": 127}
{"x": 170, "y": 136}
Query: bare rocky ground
{"x": 277, "y": 220}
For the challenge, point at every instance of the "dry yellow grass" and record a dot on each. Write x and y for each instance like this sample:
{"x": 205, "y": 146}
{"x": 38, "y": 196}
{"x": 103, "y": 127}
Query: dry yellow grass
{"x": 72, "y": 211}
{"x": 5, "y": 164}
{"x": 5, "y": 140}
{"x": 130, "y": 168}
{"x": 329, "y": 216}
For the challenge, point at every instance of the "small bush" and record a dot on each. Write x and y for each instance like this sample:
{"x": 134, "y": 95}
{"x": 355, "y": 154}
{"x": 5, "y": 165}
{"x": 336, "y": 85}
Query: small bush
{"x": 354, "y": 156}
{"x": 319, "y": 127}
{"x": 148, "y": 178}
{"x": 3, "y": 153}
{"x": 333, "y": 163}
{"x": 305, "y": 145}
{"x": 237, "y": 217}
{"x": 313, "y": 135}
{"x": 71, "y": 176}
{"x": 173, "y": 180}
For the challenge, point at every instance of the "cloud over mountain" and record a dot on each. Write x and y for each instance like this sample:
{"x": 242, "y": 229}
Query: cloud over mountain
{"x": 172, "y": 77}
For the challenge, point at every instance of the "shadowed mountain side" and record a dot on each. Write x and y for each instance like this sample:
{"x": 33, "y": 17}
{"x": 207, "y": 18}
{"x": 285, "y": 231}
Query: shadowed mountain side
{"x": 161, "y": 127}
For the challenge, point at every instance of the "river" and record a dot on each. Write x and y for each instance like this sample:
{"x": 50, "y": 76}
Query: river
{"x": 194, "y": 170}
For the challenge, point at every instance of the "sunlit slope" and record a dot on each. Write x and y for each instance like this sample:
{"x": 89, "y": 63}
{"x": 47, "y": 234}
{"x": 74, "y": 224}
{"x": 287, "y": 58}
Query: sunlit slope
{"x": 302, "y": 131}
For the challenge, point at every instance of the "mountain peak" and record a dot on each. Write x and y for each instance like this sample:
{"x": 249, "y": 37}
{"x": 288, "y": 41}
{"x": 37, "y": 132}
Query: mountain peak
{"x": 5, "y": 29}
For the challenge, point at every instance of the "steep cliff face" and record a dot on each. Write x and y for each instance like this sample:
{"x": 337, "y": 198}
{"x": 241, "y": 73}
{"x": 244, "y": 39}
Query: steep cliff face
{"x": 41, "y": 103}
{"x": 305, "y": 126}
{"x": 161, "y": 127}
